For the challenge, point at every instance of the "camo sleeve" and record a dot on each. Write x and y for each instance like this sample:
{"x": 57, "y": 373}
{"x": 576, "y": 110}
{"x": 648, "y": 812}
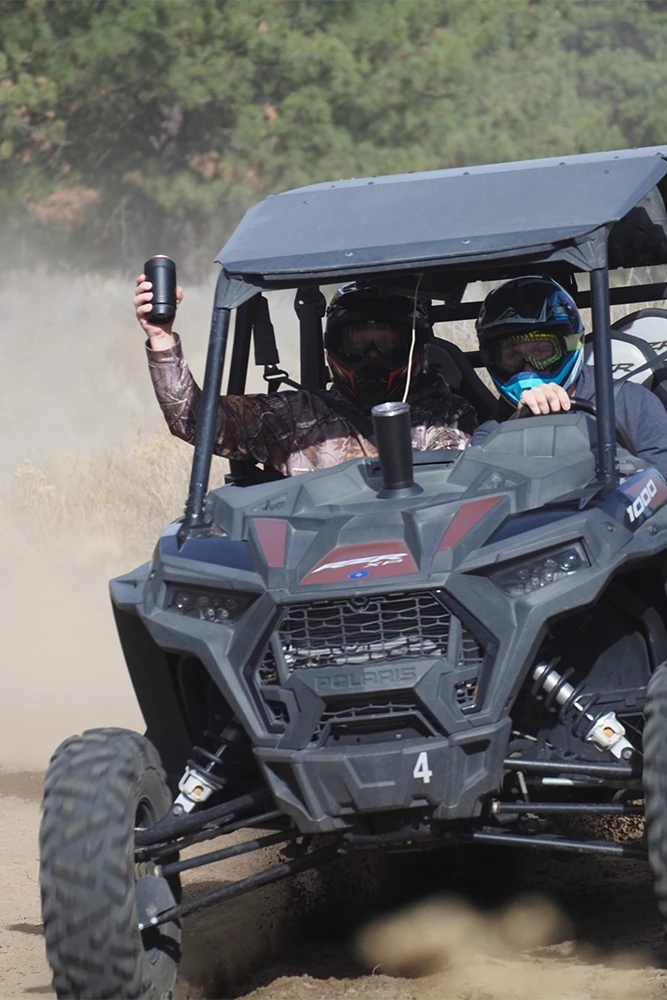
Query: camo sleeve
{"x": 453, "y": 429}
{"x": 296, "y": 432}
{"x": 261, "y": 427}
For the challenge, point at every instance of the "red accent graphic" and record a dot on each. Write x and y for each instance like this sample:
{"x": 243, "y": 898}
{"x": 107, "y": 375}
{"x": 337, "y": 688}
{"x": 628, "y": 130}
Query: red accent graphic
{"x": 466, "y": 518}
{"x": 372, "y": 560}
{"x": 272, "y": 536}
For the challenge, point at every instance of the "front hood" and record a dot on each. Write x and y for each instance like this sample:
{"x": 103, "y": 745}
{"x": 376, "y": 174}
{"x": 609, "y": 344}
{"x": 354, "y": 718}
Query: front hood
{"x": 330, "y": 529}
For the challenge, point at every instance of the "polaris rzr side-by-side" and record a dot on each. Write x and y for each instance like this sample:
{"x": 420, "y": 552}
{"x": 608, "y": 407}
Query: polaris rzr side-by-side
{"x": 423, "y": 649}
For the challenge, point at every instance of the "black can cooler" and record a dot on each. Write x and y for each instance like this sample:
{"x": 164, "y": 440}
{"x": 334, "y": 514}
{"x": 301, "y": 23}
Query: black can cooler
{"x": 161, "y": 272}
{"x": 393, "y": 436}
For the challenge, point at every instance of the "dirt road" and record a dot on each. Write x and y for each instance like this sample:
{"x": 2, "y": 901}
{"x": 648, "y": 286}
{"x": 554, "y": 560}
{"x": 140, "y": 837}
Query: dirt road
{"x": 300, "y": 940}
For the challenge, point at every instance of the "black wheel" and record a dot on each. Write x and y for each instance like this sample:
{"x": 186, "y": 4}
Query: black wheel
{"x": 99, "y": 787}
{"x": 655, "y": 782}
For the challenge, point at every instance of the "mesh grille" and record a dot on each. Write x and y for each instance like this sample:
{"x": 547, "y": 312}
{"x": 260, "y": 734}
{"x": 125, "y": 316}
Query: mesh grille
{"x": 360, "y": 631}
{"x": 357, "y": 631}
{"x": 355, "y": 715}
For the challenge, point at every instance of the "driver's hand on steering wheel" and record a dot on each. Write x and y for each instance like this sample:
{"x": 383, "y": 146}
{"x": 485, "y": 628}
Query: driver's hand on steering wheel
{"x": 548, "y": 398}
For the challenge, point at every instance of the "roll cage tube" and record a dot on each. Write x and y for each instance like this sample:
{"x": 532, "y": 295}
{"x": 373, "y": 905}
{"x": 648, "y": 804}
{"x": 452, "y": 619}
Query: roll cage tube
{"x": 208, "y": 411}
{"x": 607, "y": 473}
{"x": 238, "y": 364}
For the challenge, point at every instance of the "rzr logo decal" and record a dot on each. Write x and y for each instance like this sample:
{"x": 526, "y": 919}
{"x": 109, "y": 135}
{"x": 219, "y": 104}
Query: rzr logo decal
{"x": 365, "y": 563}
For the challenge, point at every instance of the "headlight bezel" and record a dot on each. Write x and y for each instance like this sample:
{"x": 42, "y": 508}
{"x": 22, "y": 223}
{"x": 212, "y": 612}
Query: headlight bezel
{"x": 533, "y": 573}
{"x": 213, "y": 605}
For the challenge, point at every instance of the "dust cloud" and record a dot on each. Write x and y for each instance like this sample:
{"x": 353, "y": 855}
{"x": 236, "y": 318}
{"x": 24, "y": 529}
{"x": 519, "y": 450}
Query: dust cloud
{"x": 522, "y": 950}
{"x": 89, "y": 477}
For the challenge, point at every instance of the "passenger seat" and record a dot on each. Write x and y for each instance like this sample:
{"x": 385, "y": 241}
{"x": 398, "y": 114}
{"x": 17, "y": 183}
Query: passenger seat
{"x": 457, "y": 370}
{"x": 638, "y": 340}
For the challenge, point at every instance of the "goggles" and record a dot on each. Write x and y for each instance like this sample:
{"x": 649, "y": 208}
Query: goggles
{"x": 539, "y": 349}
{"x": 388, "y": 342}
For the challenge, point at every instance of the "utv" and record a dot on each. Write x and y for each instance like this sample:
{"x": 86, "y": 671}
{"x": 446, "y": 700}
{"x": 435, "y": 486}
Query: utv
{"x": 417, "y": 650}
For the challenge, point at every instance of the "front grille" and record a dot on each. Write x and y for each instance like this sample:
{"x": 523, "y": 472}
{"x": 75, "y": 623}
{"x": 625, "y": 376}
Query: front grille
{"x": 358, "y": 718}
{"x": 357, "y": 631}
{"x": 363, "y": 632}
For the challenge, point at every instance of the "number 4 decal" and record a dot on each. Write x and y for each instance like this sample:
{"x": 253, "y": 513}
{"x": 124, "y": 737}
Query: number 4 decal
{"x": 422, "y": 769}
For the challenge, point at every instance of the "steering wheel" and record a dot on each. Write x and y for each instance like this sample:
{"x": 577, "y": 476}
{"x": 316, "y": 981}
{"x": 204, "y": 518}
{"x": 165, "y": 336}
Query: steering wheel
{"x": 622, "y": 435}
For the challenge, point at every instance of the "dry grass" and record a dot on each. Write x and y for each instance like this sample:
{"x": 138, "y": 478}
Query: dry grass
{"x": 124, "y": 495}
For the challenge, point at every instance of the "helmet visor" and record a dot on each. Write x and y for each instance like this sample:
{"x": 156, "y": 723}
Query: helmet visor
{"x": 537, "y": 349}
{"x": 369, "y": 340}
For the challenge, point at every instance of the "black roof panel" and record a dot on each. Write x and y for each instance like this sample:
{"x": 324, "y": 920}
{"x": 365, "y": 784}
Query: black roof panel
{"x": 440, "y": 217}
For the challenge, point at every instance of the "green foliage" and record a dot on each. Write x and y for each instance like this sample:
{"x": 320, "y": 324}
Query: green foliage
{"x": 128, "y": 126}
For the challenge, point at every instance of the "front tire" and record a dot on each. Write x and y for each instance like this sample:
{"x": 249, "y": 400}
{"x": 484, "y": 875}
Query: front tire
{"x": 98, "y": 787}
{"x": 655, "y": 782}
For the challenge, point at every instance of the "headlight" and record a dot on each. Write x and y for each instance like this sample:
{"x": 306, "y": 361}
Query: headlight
{"x": 221, "y": 606}
{"x": 533, "y": 574}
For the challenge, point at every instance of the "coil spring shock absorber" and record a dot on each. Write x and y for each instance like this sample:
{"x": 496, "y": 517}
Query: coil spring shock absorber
{"x": 576, "y": 709}
{"x": 205, "y": 772}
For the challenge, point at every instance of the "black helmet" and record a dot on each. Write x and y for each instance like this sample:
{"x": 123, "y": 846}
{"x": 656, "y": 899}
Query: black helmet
{"x": 525, "y": 310}
{"x": 380, "y": 378}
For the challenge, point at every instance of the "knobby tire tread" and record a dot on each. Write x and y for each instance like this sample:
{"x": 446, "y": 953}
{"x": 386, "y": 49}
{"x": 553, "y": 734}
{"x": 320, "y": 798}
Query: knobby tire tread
{"x": 87, "y": 876}
{"x": 655, "y": 782}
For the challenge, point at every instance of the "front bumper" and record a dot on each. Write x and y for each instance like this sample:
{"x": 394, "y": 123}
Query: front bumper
{"x": 325, "y": 790}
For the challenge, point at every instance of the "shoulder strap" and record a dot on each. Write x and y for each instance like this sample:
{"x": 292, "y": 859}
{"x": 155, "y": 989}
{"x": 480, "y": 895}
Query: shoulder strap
{"x": 358, "y": 420}
{"x": 266, "y": 351}
{"x": 360, "y": 423}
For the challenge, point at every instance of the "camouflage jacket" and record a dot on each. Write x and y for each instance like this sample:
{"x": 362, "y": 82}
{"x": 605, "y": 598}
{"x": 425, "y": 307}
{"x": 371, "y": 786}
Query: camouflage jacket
{"x": 296, "y": 431}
